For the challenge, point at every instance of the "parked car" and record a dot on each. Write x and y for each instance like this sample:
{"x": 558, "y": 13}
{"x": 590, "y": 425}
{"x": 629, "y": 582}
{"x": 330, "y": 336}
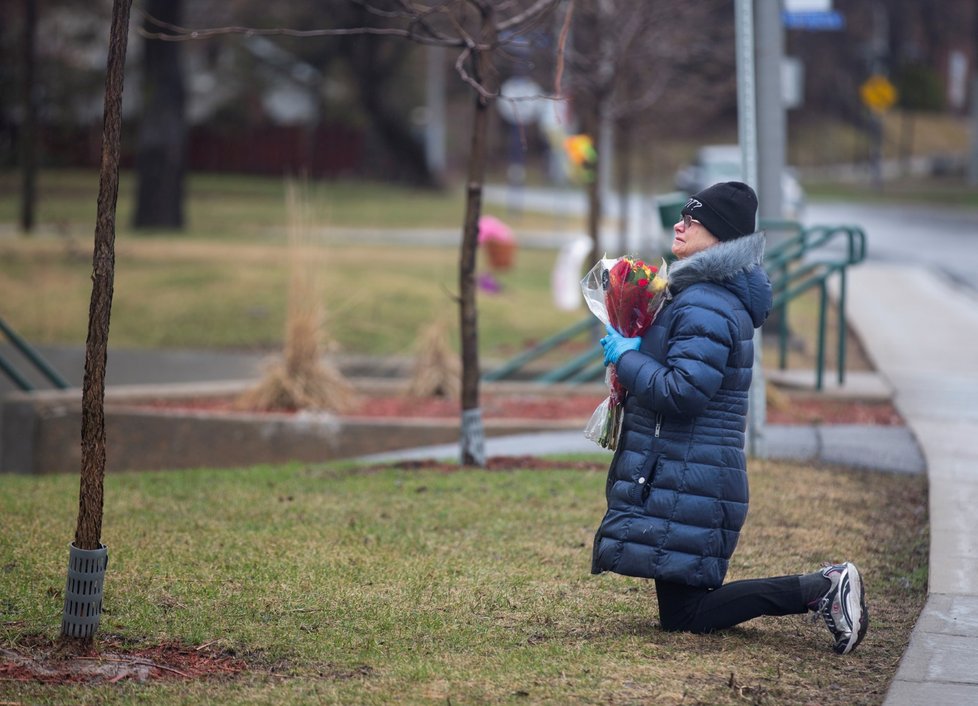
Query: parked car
{"x": 715, "y": 163}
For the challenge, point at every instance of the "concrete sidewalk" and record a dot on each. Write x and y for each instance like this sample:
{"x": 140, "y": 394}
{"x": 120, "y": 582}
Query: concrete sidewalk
{"x": 919, "y": 329}
{"x": 891, "y": 449}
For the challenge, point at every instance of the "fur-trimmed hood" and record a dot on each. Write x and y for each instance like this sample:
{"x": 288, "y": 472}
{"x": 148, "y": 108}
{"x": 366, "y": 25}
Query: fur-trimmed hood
{"x": 735, "y": 264}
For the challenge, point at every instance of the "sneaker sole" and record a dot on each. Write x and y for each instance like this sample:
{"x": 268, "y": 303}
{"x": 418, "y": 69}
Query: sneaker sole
{"x": 856, "y": 612}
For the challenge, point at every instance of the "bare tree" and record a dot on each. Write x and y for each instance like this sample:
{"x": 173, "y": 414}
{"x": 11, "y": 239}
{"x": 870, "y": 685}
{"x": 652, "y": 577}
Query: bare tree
{"x": 474, "y": 27}
{"x": 625, "y": 56}
{"x": 375, "y": 69}
{"x": 380, "y": 89}
{"x": 88, "y": 531}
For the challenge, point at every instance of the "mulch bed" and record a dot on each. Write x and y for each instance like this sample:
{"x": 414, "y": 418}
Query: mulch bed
{"x": 109, "y": 660}
{"x": 819, "y": 410}
{"x": 494, "y": 463}
{"x": 800, "y": 409}
{"x": 789, "y": 409}
{"x": 400, "y": 406}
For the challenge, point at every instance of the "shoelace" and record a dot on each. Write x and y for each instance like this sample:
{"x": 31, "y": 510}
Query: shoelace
{"x": 823, "y": 609}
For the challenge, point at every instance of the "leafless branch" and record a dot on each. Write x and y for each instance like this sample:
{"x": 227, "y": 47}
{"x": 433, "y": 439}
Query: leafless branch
{"x": 460, "y": 68}
{"x": 183, "y": 34}
{"x": 410, "y": 10}
{"x": 415, "y": 13}
{"x": 562, "y": 46}
{"x": 639, "y": 104}
{"x": 419, "y": 28}
{"x": 532, "y": 12}
{"x": 457, "y": 299}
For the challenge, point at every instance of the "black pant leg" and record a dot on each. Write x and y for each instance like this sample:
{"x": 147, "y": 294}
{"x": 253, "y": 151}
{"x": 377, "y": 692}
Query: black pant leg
{"x": 702, "y": 610}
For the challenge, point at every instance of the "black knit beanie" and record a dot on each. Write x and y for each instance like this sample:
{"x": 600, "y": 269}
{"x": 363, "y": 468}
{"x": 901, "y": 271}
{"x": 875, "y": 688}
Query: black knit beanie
{"x": 728, "y": 210}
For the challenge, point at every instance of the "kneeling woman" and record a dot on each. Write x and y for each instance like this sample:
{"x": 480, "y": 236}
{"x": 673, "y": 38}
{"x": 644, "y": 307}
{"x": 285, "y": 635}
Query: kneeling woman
{"x": 677, "y": 487}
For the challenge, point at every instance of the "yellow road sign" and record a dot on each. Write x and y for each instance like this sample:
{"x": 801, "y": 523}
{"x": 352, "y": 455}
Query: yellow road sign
{"x": 878, "y": 93}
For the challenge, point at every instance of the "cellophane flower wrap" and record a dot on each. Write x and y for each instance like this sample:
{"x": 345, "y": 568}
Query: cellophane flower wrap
{"x": 625, "y": 293}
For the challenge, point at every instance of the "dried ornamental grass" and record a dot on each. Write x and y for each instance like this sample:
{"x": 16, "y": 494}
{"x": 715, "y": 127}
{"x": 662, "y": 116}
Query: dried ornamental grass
{"x": 437, "y": 369}
{"x": 776, "y": 399}
{"x": 302, "y": 379}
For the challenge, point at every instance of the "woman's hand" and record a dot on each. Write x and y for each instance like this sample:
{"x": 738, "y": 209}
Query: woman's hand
{"x": 615, "y": 345}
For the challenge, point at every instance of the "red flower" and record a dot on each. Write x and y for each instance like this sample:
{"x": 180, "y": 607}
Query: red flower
{"x": 630, "y": 298}
{"x": 619, "y": 273}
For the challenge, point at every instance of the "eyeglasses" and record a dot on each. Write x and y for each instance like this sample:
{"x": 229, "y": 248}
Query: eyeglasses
{"x": 689, "y": 220}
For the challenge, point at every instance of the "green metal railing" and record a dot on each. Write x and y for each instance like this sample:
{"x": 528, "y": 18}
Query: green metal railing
{"x": 794, "y": 270}
{"x": 793, "y": 273}
{"x": 33, "y": 357}
{"x": 585, "y": 367}
{"x": 531, "y": 354}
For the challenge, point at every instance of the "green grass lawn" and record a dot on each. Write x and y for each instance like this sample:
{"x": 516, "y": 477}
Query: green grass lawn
{"x": 340, "y": 585}
{"x": 239, "y": 207}
{"x": 931, "y": 191}
{"x": 231, "y": 206}
{"x": 207, "y": 294}
{"x": 223, "y": 282}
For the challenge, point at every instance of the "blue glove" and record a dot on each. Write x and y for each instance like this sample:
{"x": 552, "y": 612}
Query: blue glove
{"x": 615, "y": 345}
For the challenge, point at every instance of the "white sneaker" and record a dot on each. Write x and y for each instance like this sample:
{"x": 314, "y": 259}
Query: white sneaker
{"x": 843, "y": 607}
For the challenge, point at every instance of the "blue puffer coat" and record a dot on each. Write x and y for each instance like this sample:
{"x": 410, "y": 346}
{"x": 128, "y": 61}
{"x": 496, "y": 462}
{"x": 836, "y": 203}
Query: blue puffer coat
{"x": 677, "y": 486}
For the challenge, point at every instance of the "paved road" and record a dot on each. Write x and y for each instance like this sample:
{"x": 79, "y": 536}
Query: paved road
{"x": 138, "y": 367}
{"x": 942, "y": 238}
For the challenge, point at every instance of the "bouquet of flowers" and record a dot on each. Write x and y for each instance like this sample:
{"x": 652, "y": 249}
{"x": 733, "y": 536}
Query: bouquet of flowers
{"x": 626, "y": 294}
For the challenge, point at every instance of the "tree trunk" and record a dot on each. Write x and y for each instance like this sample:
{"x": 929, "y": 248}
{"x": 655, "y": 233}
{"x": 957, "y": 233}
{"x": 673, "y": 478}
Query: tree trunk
{"x": 624, "y": 150}
{"x": 376, "y": 66}
{"x": 407, "y": 155}
{"x": 594, "y": 188}
{"x": 162, "y": 143}
{"x": 88, "y": 532}
{"x": 28, "y": 128}
{"x": 472, "y": 438}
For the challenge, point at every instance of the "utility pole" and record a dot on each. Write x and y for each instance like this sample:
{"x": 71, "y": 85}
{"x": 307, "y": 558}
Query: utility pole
{"x": 747, "y": 128}
{"x": 746, "y": 89}
{"x": 770, "y": 108}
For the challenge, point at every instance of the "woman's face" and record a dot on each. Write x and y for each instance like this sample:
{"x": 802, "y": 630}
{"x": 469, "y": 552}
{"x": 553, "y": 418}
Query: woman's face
{"x": 690, "y": 236}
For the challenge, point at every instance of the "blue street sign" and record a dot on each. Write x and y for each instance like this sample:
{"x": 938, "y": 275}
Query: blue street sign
{"x": 814, "y": 21}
